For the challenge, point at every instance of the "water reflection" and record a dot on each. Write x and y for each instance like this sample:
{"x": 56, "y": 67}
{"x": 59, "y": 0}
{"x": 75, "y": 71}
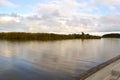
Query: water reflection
{"x": 53, "y": 60}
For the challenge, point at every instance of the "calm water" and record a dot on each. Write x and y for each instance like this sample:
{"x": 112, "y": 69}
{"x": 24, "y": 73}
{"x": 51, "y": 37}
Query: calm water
{"x": 53, "y": 60}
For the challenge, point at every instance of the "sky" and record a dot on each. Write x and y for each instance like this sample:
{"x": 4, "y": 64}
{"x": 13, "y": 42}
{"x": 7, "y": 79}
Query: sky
{"x": 60, "y": 16}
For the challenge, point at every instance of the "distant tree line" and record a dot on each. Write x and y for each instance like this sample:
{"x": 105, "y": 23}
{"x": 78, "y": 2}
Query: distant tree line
{"x": 44, "y": 36}
{"x": 111, "y": 35}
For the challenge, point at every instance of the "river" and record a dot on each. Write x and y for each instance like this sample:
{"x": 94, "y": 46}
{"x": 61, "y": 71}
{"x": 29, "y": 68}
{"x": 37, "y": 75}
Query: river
{"x": 53, "y": 60}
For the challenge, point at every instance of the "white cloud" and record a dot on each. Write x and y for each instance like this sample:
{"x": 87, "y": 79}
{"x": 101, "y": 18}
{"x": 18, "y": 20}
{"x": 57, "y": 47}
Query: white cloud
{"x": 109, "y": 23}
{"x": 64, "y": 7}
{"x": 12, "y": 22}
{"x": 66, "y": 16}
{"x": 107, "y": 2}
{"x": 9, "y": 19}
{"x": 112, "y": 5}
{"x": 6, "y": 3}
{"x": 12, "y": 18}
{"x": 63, "y": 17}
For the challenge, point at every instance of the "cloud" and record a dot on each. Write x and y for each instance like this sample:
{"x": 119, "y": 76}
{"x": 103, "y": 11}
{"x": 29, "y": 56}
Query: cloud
{"x": 107, "y": 2}
{"x": 63, "y": 17}
{"x": 63, "y": 7}
{"x": 9, "y": 18}
{"x": 12, "y": 22}
{"x": 111, "y": 5}
{"x": 6, "y": 3}
{"x": 66, "y": 16}
{"x": 109, "y": 23}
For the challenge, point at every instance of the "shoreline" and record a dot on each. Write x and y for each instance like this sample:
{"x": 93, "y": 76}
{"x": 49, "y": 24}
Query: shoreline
{"x": 22, "y": 36}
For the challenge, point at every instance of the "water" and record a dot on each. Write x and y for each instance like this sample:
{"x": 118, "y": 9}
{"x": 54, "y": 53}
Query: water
{"x": 53, "y": 60}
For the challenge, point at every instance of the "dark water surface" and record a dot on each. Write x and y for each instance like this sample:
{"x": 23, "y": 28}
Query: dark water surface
{"x": 53, "y": 60}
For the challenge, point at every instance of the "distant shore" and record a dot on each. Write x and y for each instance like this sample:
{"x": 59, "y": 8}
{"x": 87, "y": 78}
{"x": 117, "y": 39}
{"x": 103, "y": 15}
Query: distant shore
{"x": 111, "y": 35}
{"x": 44, "y": 36}
{"x": 23, "y": 36}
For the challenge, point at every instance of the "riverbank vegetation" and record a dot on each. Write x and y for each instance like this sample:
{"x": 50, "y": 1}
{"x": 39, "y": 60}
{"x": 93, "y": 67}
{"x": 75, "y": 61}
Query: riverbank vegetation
{"x": 111, "y": 35}
{"x": 44, "y": 36}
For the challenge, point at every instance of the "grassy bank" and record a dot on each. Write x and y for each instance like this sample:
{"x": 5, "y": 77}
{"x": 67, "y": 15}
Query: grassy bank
{"x": 44, "y": 36}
